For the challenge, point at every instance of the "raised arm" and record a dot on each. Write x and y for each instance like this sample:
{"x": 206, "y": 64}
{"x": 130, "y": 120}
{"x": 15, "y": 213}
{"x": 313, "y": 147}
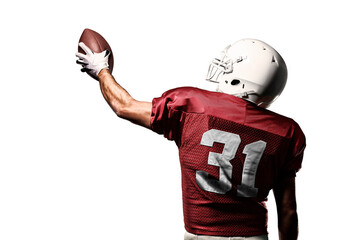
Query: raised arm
{"x": 122, "y": 103}
{"x": 126, "y": 107}
{"x": 285, "y": 199}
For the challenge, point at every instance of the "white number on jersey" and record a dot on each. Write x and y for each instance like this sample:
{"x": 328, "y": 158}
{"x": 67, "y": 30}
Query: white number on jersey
{"x": 231, "y": 141}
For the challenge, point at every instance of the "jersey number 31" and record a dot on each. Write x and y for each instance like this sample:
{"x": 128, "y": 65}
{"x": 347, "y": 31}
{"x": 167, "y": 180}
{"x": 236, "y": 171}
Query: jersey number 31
{"x": 231, "y": 141}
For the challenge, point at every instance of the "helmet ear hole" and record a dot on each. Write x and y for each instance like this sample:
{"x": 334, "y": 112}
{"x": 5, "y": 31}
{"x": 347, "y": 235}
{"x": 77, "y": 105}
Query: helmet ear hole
{"x": 235, "y": 82}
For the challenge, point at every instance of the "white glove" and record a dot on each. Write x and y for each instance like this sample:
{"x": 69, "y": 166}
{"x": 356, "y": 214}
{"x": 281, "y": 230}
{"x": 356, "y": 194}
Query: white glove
{"x": 91, "y": 62}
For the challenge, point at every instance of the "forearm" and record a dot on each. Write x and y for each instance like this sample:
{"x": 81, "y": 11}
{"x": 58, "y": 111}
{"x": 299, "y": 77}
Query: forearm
{"x": 285, "y": 198}
{"x": 288, "y": 225}
{"x": 121, "y": 101}
{"x": 115, "y": 95}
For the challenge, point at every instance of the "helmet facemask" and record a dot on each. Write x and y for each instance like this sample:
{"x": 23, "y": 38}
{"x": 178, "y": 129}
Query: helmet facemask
{"x": 219, "y": 67}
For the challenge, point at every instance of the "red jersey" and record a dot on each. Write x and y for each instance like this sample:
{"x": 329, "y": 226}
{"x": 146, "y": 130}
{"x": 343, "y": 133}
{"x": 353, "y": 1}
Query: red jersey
{"x": 232, "y": 153}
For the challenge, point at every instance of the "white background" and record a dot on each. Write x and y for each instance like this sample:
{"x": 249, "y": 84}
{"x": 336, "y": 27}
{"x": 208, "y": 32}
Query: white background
{"x": 70, "y": 169}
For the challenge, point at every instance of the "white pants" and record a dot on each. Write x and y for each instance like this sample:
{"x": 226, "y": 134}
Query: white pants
{"x": 190, "y": 236}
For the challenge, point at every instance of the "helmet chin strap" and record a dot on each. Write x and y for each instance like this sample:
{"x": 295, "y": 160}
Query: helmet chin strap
{"x": 245, "y": 94}
{"x": 241, "y": 95}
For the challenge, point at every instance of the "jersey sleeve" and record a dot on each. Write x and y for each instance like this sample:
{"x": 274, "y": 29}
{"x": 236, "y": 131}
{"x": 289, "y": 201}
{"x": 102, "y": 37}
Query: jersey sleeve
{"x": 167, "y": 112}
{"x": 296, "y": 152}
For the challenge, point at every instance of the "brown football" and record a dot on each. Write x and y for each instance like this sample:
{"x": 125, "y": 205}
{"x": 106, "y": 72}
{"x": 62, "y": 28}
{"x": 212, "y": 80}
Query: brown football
{"x": 96, "y": 43}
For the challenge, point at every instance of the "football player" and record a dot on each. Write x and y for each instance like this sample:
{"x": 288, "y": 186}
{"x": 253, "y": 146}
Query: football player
{"x": 232, "y": 150}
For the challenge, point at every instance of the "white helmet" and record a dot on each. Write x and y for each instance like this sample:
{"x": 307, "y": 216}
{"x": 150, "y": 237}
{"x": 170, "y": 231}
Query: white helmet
{"x": 249, "y": 69}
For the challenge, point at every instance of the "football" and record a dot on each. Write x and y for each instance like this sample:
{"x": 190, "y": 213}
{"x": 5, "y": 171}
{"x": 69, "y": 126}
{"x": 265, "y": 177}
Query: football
{"x": 96, "y": 43}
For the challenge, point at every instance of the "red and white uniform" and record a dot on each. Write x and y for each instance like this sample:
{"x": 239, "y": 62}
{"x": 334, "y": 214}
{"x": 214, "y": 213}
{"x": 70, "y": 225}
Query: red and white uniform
{"x": 232, "y": 153}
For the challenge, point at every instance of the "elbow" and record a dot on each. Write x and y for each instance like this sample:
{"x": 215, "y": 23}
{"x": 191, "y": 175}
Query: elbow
{"x": 120, "y": 111}
{"x": 291, "y": 215}
{"x": 123, "y": 110}
{"x": 288, "y": 225}
{"x": 288, "y": 214}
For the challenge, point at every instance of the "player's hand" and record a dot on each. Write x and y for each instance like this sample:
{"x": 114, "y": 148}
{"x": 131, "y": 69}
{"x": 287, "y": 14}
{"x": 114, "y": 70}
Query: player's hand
{"x": 91, "y": 62}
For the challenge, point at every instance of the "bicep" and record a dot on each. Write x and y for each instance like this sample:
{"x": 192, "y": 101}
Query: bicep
{"x": 138, "y": 112}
